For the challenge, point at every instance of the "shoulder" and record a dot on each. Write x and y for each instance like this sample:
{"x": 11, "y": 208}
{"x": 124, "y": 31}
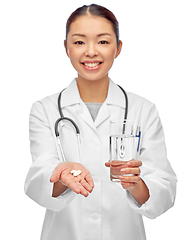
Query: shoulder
{"x": 141, "y": 109}
{"x": 50, "y": 100}
{"x": 139, "y": 101}
{"x": 46, "y": 107}
{"x": 116, "y": 97}
{"x": 47, "y": 101}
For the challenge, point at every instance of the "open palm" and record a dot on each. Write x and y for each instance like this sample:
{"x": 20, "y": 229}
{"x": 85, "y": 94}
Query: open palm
{"x": 81, "y": 184}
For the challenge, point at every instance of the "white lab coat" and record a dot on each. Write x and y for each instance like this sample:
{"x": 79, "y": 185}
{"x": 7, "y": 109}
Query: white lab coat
{"x": 109, "y": 212}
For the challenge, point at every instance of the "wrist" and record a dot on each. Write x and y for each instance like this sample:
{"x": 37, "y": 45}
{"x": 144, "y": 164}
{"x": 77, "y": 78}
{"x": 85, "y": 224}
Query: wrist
{"x": 140, "y": 192}
{"x": 58, "y": 189}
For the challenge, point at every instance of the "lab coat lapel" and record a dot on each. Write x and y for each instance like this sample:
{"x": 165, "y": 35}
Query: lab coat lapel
{"x": 103, "y": 114}
{"x": 72, "y": 97}
{"x": 83, "y": 112}
{"x": 115, "y": 97}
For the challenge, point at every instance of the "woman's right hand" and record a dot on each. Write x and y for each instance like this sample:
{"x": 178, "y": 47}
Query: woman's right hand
{"x": 62, "y": 178}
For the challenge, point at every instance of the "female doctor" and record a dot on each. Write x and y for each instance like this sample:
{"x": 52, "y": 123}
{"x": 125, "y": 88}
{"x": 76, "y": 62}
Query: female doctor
{"x": 90, "y": 206}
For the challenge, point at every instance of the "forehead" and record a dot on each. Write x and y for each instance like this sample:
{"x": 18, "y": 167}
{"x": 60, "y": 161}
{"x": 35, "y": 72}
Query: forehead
{"x": 89, "y": 24}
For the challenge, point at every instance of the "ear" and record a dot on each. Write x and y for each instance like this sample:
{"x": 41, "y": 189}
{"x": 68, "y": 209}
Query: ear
{"x": 119, "y": 47}
{"x": 65, "y": 45}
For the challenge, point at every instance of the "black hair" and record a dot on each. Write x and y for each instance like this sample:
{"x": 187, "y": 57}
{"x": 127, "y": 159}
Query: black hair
{"x": 95, "y": 10}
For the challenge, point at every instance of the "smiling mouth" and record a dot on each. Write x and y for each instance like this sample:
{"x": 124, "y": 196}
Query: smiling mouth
{"x": 92, "y": 65}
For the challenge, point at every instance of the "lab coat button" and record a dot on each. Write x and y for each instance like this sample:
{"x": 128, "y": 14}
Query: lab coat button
{"x": 95, "y": 142}
{"x": 95, "y": 179}
{"x": 95, "y": 216}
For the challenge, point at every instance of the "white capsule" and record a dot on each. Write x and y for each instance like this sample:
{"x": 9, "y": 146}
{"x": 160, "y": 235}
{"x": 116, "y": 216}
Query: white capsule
{"x": 78, "y": 172}
{"x": 73, "y": 171}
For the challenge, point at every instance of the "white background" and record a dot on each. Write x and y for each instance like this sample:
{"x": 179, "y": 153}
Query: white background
{"x": 156, "y": 62}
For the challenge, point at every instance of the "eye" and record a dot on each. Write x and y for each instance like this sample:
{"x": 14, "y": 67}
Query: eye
{"x": 103, "y": 42}
{"x": 79, "y": 43}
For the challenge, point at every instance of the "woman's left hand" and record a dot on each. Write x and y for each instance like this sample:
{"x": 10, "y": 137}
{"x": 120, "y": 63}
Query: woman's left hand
{"x": 130, "y": 182}
{"x": 134, "y": 184}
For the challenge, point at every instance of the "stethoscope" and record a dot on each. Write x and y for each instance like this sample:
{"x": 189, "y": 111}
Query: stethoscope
{"x": 62, "y": 118}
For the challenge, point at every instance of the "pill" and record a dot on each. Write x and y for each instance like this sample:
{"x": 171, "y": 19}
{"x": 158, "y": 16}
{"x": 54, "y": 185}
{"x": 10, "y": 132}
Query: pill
{"x": 73, "y": 171}
{"x": 75, "y": 174}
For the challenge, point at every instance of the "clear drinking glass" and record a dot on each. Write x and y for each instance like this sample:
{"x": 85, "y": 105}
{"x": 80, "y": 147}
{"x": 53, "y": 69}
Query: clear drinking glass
{"x": 122, "y": 146}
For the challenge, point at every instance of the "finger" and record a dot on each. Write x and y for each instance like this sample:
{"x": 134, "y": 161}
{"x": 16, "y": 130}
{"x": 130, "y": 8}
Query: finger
{"x": 54, "y": 178}
{"x": 128, "y": 186}
{"x": 81, "y": 186}
{"x": 130, "y": 179}
{"x": 107, "y": 164}
{"x": 68, "y": 180}
{"x": 135, "y": 171}
{"x": 134, "y": 163}
{"x": 75, "y": 186}
{"x": 86, "y": 185}
{"x": 57, "y": 173}
{"x": 89, "y": 180}
{"x": 83, "y": 191}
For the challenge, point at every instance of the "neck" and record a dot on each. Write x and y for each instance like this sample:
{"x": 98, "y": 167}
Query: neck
{"x": 93, "y": 91}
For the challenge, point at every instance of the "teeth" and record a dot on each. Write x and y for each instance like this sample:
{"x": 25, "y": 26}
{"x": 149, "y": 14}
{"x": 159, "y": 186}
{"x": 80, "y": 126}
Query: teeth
{"x": 91, "y": 64}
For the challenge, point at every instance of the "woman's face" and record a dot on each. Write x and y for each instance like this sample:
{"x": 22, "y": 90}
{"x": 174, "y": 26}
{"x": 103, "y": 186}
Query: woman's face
{"x": 92, "y": 47}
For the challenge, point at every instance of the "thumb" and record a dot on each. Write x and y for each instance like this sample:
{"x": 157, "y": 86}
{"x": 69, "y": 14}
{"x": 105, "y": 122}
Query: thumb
{"x": 107, "y": 164}
{"x": 56, "y": 174}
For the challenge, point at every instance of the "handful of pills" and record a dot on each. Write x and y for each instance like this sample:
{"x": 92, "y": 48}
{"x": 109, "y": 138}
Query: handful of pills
{"x": 76, "y": 172}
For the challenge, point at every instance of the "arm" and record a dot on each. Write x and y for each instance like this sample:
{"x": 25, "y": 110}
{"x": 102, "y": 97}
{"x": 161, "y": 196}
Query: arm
{"x": 156, "y": 171}
{"x": 58, "y": 189}
{"x": 140, "y": 192}
{"x": 46, "y": 166}
{"x": 134, "y": 184}
{"x": 156, "y": 190}
{"x": 45, "y": 159}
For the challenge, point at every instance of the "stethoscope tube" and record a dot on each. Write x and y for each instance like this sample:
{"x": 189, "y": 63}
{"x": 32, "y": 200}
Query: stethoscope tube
{"x": 62, "y": 117}
{"x": 73, "y": 123}
{"x": 59, "y": 103}
{"x": 126, "y": 103}
{"x": 68, "y": 119}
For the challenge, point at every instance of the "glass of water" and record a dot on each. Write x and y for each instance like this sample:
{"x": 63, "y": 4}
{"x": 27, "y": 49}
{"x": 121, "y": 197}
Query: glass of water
{"x": 122, "y": 146}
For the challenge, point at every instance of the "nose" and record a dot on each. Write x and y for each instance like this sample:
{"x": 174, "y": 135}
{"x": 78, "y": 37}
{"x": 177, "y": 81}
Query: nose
{"x": 91, "y": 50}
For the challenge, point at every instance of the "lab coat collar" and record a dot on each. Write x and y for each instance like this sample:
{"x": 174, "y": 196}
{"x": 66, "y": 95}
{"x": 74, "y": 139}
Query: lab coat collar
{"x": 115, "y": 95}
{"x": 71, "y": 95}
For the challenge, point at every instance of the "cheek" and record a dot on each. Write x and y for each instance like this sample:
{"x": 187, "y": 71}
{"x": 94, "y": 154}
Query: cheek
{"x": 110, "y": 53}
{"x": 73, "y": 53}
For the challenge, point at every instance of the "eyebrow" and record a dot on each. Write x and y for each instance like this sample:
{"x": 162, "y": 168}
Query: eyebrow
{"x": 78, "y": 35}
{"x": 103, "y": 34}
{"x": 82, "y": 35}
